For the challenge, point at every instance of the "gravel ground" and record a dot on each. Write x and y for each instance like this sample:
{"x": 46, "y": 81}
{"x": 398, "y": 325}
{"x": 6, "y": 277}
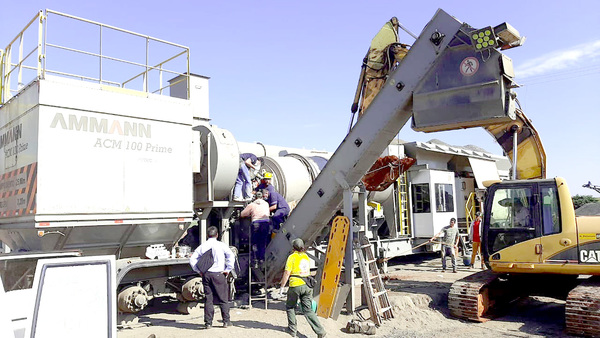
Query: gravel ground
{"x": 418, "y": 292}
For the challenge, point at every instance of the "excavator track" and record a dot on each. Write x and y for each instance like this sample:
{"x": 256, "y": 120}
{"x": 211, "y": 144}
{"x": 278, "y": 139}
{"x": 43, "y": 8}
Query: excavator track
{"x": 469, "y": 297}
{"x": 582, "y": 310}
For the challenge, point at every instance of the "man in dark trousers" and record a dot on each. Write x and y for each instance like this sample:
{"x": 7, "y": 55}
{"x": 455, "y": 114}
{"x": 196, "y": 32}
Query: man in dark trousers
{"x": 259, "y": 212}
{"x": 214, "y": 280}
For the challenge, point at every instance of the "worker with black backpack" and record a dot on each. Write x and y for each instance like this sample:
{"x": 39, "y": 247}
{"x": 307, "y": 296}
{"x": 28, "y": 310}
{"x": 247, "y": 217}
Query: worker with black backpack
{"x": 214, "y": 260}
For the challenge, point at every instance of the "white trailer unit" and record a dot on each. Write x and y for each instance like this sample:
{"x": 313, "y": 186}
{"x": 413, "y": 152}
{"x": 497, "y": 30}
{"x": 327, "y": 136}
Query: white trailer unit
{"x": 89, "y": 167}
{"x": 94, "y": 158}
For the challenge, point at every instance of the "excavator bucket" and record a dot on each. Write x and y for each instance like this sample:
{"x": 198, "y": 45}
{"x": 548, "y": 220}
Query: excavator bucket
{"x": 472, "y": 88}
{"x": 464, "y": 89}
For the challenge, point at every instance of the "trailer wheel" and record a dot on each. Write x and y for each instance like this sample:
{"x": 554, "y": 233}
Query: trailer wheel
{"x": 192, "y": 290}
{"x": 132, "y": 299}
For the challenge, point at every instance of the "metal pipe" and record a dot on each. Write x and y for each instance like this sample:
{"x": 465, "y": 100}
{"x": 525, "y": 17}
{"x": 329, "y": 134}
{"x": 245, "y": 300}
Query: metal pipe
{"x": 407, "y": 31}
{"x": 349, "y": 255}
{"x": 114, "y": 28}
{"x": 20, "y": 72}
{"x": 44, "y": 41}
{"x": 146, "y": 88}
{"x": 100, "y": 58}
{"x": 515, "y": 130}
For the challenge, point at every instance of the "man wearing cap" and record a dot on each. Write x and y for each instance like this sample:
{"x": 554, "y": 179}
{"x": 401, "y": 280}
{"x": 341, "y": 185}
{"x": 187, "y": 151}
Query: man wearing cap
{"x": 265, "y": 183}
{"x": 297, "y": 266}
{"x": 259, "y": 212}
{"x": 277, "y": 204}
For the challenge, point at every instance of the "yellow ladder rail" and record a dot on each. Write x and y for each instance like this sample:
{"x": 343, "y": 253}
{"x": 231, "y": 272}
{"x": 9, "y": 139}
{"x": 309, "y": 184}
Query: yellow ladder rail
{"x": 470, "y": 210}
{"x": 332, "y": 268}
{"x": 403, "y": 204}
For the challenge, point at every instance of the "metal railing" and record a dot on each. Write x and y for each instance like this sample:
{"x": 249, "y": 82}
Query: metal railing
{"x": 470, "y": 209}
{"x": 21, "y": 63}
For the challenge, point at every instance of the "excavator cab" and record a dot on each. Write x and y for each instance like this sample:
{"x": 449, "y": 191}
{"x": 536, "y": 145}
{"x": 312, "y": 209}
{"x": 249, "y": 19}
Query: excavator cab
{"x": 519, "y": 216}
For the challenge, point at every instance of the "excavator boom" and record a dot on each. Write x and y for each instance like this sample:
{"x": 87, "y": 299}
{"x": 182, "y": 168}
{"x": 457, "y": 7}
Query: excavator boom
{"x": 531, "y": 157}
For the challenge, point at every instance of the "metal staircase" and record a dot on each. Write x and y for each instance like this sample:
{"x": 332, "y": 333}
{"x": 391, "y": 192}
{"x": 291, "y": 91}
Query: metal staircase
{"x": 403, "y": 201}
{"x": 257, "y": 276}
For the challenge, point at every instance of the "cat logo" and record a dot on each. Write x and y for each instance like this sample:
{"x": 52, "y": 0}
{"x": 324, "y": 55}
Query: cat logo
{"x": 589, "y": 256}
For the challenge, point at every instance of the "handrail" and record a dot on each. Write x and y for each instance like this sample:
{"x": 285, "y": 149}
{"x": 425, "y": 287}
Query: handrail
{"x": 7, "y": 66}
{"x": 119, "y": 60}
{"x": 83, "y": 77}
{"x": 115, "y": 28}
{"x": 40, "y": 13}
{"x": 158, "y": 66}
{"x": 106, "y": 73}
{"x": 470, "y": 210}
{"x": 20, "y": 64}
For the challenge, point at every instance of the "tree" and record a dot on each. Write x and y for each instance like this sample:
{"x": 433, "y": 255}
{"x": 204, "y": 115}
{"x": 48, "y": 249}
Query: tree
{"x": 580, "y": 200}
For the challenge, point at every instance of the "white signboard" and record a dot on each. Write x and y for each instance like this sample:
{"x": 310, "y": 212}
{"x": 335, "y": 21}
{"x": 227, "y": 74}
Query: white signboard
{"x": 76, "y": 297}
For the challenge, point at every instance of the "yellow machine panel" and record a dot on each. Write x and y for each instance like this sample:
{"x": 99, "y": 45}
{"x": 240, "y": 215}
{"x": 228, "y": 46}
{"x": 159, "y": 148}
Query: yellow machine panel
{"x": 336, "y": 249}
{"x": 531, "y": 156}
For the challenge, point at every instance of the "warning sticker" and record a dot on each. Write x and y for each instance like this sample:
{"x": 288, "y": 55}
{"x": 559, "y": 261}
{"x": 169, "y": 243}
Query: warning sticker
{"x": 589, "y": 236}
{"x": 469, "y": 66}
{"x": 18, "y": 189}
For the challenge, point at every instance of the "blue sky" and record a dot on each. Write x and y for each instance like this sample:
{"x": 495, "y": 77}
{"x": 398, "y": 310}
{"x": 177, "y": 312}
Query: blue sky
{"x": 285, "y": 72}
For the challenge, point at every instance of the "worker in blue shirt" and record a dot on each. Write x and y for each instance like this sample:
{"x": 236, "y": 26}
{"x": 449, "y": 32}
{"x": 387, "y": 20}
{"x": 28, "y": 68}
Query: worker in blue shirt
{"x": 242, "y": 190}
{"x": 214, "y": 280}
{"x": 278, "y": 207}
{"x": 265, "y": 183}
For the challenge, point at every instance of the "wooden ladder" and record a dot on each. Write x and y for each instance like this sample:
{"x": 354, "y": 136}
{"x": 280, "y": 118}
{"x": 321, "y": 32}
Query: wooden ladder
{"x": 376, "y": 294}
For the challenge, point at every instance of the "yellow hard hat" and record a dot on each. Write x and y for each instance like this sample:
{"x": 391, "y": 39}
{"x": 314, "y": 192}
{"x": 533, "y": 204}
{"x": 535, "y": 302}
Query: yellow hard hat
{"x": 267, "y": 175}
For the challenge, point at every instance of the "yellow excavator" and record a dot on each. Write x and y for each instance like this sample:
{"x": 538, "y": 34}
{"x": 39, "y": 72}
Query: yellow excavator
{"x": 532, "y": 243}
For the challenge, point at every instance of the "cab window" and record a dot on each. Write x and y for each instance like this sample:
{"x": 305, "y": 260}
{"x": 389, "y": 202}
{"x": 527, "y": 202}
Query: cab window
{"x": 511, "y": 217}
{"x": 511, "y": 208}
{"x": 550, "y": 211}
